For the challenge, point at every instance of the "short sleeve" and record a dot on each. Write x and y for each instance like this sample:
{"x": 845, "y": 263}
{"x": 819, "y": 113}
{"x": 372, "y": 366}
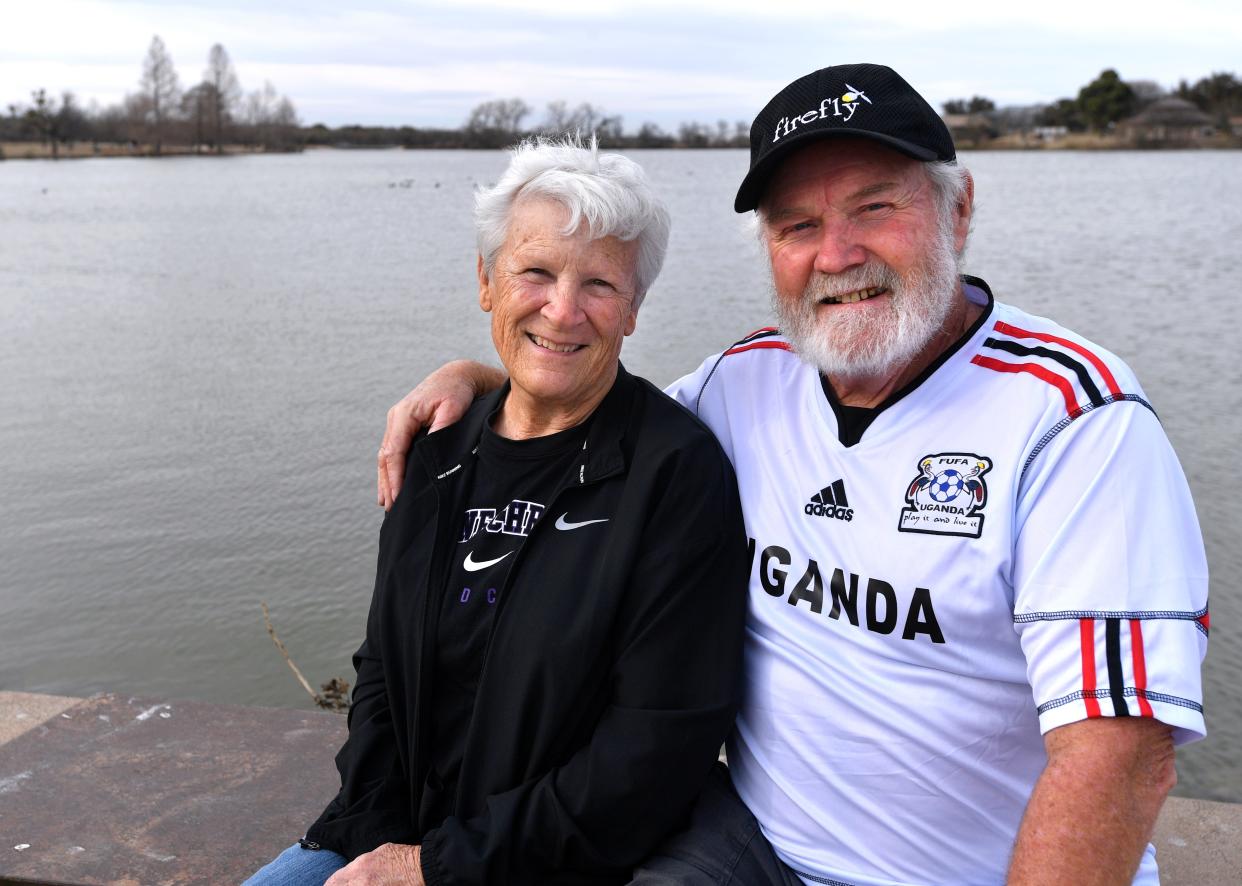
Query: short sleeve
{"x": 1110, "y": 577}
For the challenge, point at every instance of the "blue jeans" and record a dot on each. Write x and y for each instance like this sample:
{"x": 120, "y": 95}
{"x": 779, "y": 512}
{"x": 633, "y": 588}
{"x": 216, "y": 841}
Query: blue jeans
{"x": 721, "y": 846}
{"x": 299, "y": 867}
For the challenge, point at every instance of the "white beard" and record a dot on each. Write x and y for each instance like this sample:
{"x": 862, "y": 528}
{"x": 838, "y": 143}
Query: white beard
{"x": 861, "y": 343}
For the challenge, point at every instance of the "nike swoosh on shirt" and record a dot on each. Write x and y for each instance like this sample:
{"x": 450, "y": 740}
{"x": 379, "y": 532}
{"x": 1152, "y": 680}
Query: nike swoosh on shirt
{"x": 562, "y": 523}
{"x": 471, "y": 565}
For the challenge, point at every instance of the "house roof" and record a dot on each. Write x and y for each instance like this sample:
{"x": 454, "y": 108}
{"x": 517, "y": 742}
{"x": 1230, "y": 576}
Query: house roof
{"x": 1170, "y": 111}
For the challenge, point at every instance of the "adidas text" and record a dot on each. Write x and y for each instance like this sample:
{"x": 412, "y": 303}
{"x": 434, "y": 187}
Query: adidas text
{"x": 835, "y": 511}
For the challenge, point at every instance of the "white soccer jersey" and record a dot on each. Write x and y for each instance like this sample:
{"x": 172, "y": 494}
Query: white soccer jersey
{"x": 1009, "y": 547}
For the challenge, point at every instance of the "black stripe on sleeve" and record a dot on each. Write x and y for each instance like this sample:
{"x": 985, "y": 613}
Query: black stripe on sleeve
{"x": 1084, "y": 377}
{"x": 1112, "y": 652}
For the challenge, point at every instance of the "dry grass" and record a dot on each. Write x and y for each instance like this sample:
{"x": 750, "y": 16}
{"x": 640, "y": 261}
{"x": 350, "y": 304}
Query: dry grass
{"x": 1088, "y": 141}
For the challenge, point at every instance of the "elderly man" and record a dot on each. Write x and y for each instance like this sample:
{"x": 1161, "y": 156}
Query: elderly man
{"x": 978, "y": 598}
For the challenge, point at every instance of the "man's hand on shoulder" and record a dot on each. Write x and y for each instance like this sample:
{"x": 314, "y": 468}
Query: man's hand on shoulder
{"x": 393, "y": 864}
{"x": 439, "y": 400}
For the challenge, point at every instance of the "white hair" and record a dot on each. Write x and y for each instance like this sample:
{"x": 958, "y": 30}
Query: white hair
{"x": 608, "y": 193}
{"x": 949, "y": 181}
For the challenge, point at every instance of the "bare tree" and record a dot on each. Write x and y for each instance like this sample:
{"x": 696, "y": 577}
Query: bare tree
{"x": 71, "y": 121}
{"x": 198, "y": 105}
{"x": 694, "y": 135}
{"x": 555, "y": 118}
{"x": 585, "y": 119}
{"x": 272, "y": 119}
{"x": 610, "y": 130}
{"x": 650, "y": 135}
{"x": 137, "y": 110}
{"x": 260, "y": 107}
{"x": 41, "y": 118}
{"x": 226, "y": 91}
{"x": 284, "y": 123}
{"x": 160, "y": 86}
{"x": 496, "y": 123}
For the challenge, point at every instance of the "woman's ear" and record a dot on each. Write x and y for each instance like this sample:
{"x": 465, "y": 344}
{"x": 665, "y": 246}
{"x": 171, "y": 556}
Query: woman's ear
{"x": 485, "y": 288}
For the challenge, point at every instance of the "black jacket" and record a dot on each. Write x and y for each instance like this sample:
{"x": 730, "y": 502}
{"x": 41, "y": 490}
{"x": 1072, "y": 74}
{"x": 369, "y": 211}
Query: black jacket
{"x": 612, "y": 671}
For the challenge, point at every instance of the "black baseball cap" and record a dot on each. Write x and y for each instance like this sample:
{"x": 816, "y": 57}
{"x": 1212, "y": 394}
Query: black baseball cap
{"x": 859, "y": 101}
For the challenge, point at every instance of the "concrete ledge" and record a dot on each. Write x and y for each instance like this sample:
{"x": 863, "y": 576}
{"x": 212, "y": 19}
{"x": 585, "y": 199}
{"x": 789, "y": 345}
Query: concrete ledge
{"x": 139, "y": 791}
{"x": 1199, "y": 843}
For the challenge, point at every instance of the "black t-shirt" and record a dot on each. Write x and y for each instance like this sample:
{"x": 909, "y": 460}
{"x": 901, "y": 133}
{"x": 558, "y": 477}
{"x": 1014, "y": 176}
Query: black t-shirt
{"x": 514, "y": 480}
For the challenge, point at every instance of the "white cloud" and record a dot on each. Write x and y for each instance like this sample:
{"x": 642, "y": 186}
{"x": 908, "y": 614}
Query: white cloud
{"x": 427, "y": 62}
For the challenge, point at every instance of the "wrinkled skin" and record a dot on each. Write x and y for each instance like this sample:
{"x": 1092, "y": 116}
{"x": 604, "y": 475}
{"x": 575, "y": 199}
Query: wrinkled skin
{"x": 392, "y": 864}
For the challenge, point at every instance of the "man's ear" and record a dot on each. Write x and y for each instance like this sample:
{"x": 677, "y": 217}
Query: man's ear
{"x": 965, "y": 211}
{"x": 485, "y": 287}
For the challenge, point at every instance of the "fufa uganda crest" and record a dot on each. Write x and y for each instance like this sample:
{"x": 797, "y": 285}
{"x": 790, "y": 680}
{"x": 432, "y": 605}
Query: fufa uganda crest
{"x": 947, "y": 496}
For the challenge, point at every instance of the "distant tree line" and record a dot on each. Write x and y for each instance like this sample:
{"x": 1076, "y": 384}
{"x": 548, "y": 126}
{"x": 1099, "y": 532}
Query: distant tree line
{"x": 500, "y": 123}
{"x": 208, "y": 116}
{"x": 1106, "y": 101}
{"x": 215, "y": 113}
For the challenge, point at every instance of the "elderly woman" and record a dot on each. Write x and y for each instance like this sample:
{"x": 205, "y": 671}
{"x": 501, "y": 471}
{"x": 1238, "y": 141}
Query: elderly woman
{"x": 552, "y": 653}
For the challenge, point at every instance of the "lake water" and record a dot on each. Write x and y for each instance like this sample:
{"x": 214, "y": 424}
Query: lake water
{"x": 198, "y": 354}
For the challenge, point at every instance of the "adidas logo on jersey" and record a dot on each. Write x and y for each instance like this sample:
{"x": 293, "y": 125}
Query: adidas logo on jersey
{"x": 830, "y": 502}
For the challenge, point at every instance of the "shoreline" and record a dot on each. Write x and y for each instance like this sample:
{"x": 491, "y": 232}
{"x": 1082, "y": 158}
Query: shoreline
{"x": 87, "y": 150}
{"x": 1016, "y": 142}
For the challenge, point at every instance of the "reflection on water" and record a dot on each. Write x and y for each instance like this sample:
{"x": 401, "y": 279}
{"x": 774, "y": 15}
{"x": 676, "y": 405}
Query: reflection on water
{"x": 199, "y": 353}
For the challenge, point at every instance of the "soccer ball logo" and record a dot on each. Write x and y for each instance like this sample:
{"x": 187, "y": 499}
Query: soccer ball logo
{"x": 946, "y": 486}
{"x": 948, "y": 495}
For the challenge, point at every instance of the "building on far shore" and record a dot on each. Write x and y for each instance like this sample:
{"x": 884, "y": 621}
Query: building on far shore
{"x": 971, "y": 130}
{"x": 1049, "y": 133}
{"x": 1168, "y": 121}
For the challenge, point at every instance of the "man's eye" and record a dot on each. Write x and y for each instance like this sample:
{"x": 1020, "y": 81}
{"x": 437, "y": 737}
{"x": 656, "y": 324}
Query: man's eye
{"x": 596, "y": 281}
{"x": 875, "y": 207}
{"x": 537, "y": 272}
{"x": 800, "y": 226}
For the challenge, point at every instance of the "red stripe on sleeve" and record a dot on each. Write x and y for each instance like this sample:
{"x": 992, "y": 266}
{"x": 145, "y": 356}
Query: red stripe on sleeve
{"x": 1086, "y": 630}
{"x": 1061, "y": 384}
{"x": 758, "y": 345}
{"x": 1005, "y": 329}
{"x": 1140, "y": 666}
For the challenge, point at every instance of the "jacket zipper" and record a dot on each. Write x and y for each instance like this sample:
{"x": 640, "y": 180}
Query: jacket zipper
{"x": 435, "y": 579}
{"x": 513, "y": 568}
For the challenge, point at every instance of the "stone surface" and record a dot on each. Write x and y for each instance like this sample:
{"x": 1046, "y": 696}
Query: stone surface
{"x": 125, "y": 790}
{"x": 22, "y": 711}
{"x": 137, "y": 791}
{"x": 1199, "y": 843}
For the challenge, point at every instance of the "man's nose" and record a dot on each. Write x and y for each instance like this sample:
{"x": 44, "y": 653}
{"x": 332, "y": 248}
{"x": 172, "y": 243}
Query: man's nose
{"x": 839, "y": 250}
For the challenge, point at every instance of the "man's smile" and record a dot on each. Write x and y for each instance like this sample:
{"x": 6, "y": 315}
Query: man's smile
{"x": 847, "y": 298}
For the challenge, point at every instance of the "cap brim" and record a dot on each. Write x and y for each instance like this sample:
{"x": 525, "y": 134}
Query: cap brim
{"x": 749, "y": 194}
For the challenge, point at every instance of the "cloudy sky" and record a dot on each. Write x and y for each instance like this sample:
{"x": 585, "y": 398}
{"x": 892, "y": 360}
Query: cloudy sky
{"x": 428, "y": 62}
